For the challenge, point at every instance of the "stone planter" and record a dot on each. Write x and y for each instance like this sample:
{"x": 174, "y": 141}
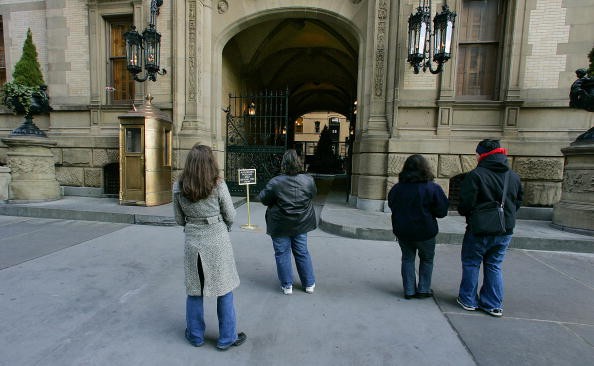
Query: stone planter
{"x": 32, "y": 166}
{"x": 575, "y": 210}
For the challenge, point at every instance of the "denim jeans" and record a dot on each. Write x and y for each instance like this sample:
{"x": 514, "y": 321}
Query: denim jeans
{"x": 225, "y": 312}
{"x": 283, "y": 246}
{"x": 426, "y": 250}
{"x": 490, "y": 251}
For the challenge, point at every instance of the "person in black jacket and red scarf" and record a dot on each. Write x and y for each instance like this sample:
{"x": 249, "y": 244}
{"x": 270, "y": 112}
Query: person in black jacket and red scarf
{"x": 415, "y": 202}
{"x": 480, "y": 185}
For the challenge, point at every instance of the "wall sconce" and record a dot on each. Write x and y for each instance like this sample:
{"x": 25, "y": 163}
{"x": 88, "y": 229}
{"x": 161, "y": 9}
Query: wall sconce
{"x": 144, "y": 50}
{"x": 419, "y": 37}
{"x": 252, "y": 108}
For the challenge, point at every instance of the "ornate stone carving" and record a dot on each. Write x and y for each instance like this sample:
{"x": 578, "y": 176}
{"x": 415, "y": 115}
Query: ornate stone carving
{"x": 22, "y": 165}
{"x": 541, "y": 193}
{"x": 449, "y": 166}
{"x": 191, "y": 47}
{"x": 580, "y": 181}
{"x": 395, "y": 163}
{"x": 539, "y": 168}
{"x": 222, "y": 6}
{"x": 70, "y": 176}
{"x": 382, "y": 14}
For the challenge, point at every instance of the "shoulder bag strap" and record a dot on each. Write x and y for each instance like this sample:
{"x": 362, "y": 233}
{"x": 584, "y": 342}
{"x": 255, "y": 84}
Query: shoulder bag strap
{"x": 505, "y": 181}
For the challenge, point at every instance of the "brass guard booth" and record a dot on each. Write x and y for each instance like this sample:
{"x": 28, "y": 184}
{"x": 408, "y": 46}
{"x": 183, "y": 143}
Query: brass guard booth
{"x": 145, "y": 156}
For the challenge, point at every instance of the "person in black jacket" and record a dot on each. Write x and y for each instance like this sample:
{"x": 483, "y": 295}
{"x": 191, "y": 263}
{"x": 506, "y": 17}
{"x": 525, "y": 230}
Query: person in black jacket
{"x": 415, "y": 202}
{"x": 480, "y": 185}
{"x": 289, "y": 217}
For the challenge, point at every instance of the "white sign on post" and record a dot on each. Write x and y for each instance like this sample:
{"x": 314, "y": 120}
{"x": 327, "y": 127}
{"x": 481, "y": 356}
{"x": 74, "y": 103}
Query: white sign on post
{"x": 246, "y": 177}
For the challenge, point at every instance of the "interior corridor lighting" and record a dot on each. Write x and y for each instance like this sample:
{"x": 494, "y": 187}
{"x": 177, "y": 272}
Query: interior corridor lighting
{"x": 144, "y": 50}
{"x": 420, "y": 49}
{"x": 252, "y": 108}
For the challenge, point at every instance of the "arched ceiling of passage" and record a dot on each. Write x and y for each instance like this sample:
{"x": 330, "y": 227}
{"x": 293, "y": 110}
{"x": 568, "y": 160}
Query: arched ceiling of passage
{"x": 315, "y": 60}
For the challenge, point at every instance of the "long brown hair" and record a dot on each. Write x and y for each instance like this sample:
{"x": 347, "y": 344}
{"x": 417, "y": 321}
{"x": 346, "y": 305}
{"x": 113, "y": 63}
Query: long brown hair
{"x": 200, "y": 174}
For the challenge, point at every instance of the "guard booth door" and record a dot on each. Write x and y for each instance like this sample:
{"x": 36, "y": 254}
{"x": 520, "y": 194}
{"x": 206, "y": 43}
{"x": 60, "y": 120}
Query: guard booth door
{"x": 132, "y": 167}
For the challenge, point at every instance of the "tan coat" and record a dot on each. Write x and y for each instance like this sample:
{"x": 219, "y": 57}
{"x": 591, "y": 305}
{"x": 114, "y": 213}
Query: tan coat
{"x": 207, "y": 223}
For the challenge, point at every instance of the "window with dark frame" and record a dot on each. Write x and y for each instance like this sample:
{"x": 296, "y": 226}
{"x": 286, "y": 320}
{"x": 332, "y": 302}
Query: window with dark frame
{"x": 480, "y": 23}
{"x": 2, "y": 54}
{"x": 120, "y": 88}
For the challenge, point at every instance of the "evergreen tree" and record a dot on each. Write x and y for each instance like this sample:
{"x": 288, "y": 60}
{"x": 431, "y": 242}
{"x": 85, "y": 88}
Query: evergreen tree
{"x": 28, "y": 71}
{"x": 325, "y": 158}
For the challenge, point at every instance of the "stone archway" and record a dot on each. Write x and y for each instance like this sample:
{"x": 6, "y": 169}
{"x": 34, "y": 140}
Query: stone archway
{"x": 315, "y": 56}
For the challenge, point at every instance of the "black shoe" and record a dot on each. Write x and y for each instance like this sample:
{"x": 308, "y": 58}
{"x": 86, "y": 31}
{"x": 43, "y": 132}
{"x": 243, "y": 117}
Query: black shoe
{"x": 192, "y": 342}
{"x": 422, "y": 295}
{"x": 408, "y": 297}
{"x": 241, "y": 337}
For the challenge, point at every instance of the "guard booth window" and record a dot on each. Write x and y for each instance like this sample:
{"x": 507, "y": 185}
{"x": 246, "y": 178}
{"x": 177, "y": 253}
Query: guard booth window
{"x": 133, "y": 139}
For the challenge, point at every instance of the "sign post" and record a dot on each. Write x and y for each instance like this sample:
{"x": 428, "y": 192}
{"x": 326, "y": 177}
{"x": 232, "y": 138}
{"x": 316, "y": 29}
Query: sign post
{"x": 247, "y": 177}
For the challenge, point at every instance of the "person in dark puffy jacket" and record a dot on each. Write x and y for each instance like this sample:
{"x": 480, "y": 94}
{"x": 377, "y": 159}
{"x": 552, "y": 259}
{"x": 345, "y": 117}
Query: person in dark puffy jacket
{"x": 485, "y": 184}
{"x": 416, "y": 201}
{"x": 289, "y": 217}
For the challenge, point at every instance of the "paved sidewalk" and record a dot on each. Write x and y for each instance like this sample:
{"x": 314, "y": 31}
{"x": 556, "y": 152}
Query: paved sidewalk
{"x": 93, "y": 293}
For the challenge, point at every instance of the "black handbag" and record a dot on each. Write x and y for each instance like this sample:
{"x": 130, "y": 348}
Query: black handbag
{"x": 488, "y": 218}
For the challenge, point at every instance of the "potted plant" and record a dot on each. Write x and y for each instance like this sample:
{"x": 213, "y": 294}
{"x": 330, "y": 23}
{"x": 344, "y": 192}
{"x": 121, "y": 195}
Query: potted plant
{"x": 26, "y": 92}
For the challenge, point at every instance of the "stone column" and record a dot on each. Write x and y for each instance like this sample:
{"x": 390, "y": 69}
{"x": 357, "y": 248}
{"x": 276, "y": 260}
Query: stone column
{"x": 33, "y": 171}
{"x": 4, "y": 182}
{"x": 575, "y": 210}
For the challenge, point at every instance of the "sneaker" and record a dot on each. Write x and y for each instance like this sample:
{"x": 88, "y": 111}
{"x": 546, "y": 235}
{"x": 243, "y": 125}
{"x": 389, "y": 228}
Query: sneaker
{"x": 287, "y": 290}
{"x": 464, "y": 306}
{"x": 310, "y": 289}
{"x": 241, "y": 337}
{"x": 494, "y": 312}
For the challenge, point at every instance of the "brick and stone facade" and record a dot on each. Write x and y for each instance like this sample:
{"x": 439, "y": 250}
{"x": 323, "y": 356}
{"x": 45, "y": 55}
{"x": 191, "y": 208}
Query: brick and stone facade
{"x": 399, "y": 112}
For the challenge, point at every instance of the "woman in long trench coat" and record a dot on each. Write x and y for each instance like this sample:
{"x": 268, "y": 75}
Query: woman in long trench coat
{"x": 203, "y": 205}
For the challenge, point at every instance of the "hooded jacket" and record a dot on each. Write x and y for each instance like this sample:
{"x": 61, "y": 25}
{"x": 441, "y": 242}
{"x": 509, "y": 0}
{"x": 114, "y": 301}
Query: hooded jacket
{"x": 485, "y": 184}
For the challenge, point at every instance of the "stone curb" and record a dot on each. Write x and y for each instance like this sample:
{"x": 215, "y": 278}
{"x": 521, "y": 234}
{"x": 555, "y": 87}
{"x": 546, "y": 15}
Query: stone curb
{"x": 518, "y": 242}
{"x": 115, "y": 217}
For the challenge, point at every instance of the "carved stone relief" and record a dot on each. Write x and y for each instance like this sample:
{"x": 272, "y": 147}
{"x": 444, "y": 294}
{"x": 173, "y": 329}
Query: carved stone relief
{"x": 380, "y": 51}
{"x": 222, "y": 6}
{"x": 581, "y": 181}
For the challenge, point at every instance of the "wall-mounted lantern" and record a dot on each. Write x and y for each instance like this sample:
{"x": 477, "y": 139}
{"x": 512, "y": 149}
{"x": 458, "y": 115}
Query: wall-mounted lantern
{"x": 144, "y": 50}
{"x": 420, "y": 49}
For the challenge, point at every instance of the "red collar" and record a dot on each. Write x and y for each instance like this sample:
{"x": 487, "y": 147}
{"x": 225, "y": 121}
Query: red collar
{"x": 499, "y": 150}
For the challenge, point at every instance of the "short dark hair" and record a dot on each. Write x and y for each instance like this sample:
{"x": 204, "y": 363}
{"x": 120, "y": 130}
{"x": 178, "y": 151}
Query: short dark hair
{"x": 416, "y": 169}
{"x": 291, "y": 164}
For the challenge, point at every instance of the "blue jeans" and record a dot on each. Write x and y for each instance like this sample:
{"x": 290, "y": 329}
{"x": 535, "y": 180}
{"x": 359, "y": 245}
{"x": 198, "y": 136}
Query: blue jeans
{"x": 490, "y": 251}
{"x": 426, "y": 250}
{"x": 225, "y": 312}
{"x": 283, "y": 246}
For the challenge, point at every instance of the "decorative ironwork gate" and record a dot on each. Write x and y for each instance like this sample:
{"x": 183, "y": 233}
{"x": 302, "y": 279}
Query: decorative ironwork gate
{"x": 256, "y": 137}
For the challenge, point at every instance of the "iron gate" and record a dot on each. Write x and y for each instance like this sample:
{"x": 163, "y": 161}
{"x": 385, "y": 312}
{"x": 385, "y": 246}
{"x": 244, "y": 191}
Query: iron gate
{"x": 256, "y": 137}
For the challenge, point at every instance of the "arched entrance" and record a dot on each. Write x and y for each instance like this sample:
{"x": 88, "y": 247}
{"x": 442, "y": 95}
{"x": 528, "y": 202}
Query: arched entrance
{"x": 313, "y": 57}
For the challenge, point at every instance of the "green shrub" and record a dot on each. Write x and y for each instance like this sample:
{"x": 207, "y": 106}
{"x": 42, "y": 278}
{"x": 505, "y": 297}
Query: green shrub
{"x": 27, "y": 71}
{"x": 26, "y": 81}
